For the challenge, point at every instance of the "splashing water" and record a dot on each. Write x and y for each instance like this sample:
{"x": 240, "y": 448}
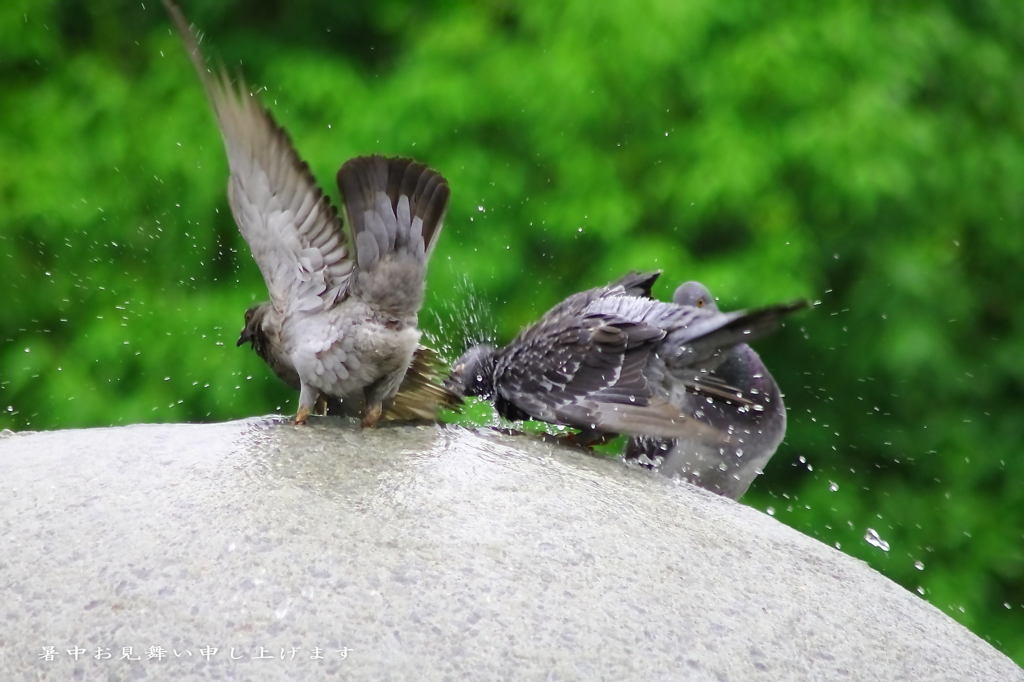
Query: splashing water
{"x": 463, "y": 319}
{"x": 873, "y": 538}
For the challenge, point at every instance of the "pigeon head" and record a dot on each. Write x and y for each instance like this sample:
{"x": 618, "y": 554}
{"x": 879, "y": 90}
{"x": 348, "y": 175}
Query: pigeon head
{"x": 473, "y": 373}
{"x": 253, "y": 331}
{"x": 694, "y": 294}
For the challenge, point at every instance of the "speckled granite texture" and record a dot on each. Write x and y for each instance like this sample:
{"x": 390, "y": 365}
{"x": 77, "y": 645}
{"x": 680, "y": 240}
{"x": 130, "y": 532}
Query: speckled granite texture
{"x": 257, "y": 550}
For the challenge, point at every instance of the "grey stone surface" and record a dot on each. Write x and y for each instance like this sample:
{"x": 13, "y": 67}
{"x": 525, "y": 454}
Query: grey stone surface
{"x": 429, "y": 553}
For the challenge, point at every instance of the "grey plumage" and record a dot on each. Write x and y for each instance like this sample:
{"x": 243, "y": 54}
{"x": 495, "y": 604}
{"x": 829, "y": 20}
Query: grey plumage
{"x": 612, "y": 360}
{"x": 420, "y": 397}
{"x": 339, "y": 325}
{"x": 755, "y": 425}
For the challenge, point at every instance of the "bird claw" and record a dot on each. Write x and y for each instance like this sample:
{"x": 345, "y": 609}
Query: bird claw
{"x": 372, "y": 416}
{"x": 302, "y": 416}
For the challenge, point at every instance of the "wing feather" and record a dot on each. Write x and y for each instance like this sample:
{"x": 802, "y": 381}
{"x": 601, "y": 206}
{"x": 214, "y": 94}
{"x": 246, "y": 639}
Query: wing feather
{"x": 590, "y": 372}
{"x": 279, "y": 209}
{"x": 396, "y": 209}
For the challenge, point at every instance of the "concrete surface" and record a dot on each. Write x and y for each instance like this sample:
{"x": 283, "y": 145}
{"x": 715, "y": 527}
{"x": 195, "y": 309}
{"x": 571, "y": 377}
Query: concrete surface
{"x": 422, "y": 553}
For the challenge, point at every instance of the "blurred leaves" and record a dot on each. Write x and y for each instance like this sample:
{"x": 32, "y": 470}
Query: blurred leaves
{"x": 867, "y": 155}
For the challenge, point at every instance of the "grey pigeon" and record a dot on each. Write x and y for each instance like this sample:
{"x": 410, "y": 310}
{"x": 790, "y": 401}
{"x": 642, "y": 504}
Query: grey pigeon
{"x": 612, "y": 360}
{"x": 341, "y": 323}
{"x": 755, "y": 425}
{"x": 420, "y": 397}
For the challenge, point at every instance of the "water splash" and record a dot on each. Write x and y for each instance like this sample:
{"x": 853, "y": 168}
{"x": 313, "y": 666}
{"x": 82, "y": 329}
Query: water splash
{"x": 873, "y": 538}
{"x": 463, "y": 319}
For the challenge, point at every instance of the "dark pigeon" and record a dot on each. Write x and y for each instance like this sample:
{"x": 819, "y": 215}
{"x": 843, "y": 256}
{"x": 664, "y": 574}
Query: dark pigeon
{"x": 755, "y": 425}
{"x": 612, "y": 360}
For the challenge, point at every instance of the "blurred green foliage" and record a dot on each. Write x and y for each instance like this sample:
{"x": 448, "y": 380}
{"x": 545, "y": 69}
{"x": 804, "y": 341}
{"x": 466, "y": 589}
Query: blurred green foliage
{"x": 868, "y": 155}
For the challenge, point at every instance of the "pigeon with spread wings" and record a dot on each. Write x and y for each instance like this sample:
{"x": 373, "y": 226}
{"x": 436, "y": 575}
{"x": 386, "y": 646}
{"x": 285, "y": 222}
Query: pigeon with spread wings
{"x": 341, "y": 323}
{"x": 612, "y": 360}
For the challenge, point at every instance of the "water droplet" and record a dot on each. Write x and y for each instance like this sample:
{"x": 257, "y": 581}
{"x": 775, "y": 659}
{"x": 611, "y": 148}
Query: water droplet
{"x": 770, "y": 511}
{"x": 833, "y": 486}
{"x": 919, "y": 565}
{"x": 873, "y": 538}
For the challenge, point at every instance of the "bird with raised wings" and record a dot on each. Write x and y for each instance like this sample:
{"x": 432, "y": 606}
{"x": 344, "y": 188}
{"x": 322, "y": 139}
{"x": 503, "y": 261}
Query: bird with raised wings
{"x": 613, "y": 360}
{"x": 755, "y": 424}
{"x": 341, "y": 323}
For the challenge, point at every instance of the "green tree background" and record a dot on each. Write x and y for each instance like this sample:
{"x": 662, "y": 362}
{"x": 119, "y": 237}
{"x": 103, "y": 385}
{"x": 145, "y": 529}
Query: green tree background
{"x": 867, "y": 155}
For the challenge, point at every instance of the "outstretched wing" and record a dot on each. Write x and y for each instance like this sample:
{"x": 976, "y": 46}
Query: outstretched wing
{"x": 291, "y": 227}
{"x": 591, "y": 372}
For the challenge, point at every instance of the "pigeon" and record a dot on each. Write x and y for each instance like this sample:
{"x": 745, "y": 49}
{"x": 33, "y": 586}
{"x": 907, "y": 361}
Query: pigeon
{"x": 755, "y": 424}
{"x": 613, "y": 360}
{"x": 419, "y": 398}
{"x": 341, "y": 323}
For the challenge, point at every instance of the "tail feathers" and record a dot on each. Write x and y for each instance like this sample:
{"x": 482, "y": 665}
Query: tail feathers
{"x": 394, "y": 206}
{"x": 707, "y": 337}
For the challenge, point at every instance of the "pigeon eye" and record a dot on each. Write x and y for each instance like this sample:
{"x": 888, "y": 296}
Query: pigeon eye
{"x": 700, "y": 302}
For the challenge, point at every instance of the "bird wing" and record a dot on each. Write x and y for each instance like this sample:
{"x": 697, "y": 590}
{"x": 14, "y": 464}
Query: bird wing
{"x": 636, "y": 283}
{"x": 422, "y": 395}
{"x": 698, "y": 339}
{"x": 396, "y": 209}
{"x": 591, "y": 372}
{"x": 631, "y": 284}
{"x": 701, "y": 334}
{"x": 292, "y": 229}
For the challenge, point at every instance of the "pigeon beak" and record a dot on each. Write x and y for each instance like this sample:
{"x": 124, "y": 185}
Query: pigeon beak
{"x": 242, "y": 339}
